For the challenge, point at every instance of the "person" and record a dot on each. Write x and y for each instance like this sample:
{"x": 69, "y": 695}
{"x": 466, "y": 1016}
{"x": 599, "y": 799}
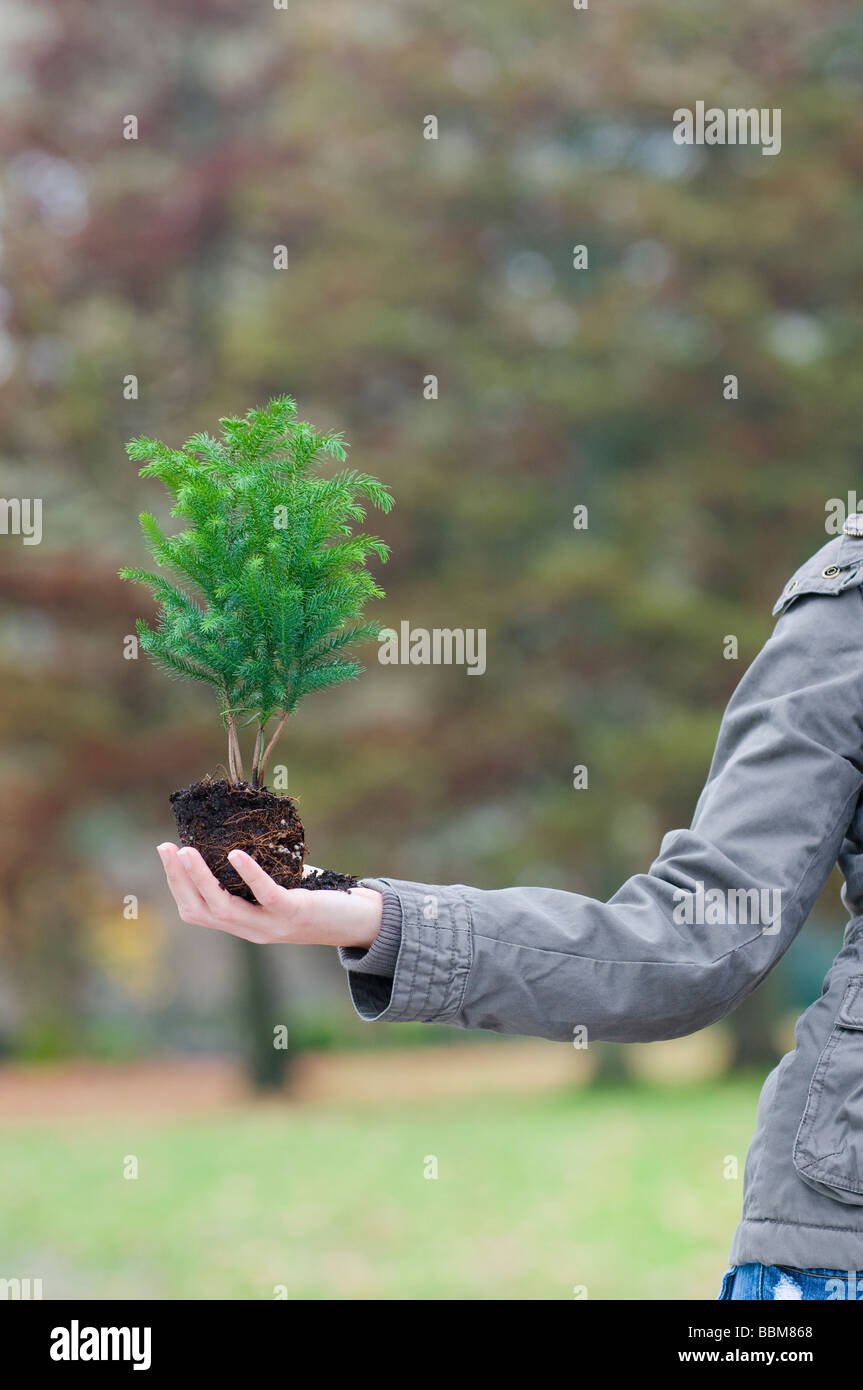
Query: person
{"x": 675, "y": 948}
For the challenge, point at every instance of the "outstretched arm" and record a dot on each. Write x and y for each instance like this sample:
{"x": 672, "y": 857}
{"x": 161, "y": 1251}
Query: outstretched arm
{"x": 678, "y": 947}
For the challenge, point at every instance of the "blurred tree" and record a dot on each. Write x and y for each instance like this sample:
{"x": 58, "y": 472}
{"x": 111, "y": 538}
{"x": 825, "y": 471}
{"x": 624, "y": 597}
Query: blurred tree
{"x": 268, "y": 1066}
{"x": 451, "y": 259}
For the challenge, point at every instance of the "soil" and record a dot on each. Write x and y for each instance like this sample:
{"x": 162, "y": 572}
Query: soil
{"x": 218, "y": 816}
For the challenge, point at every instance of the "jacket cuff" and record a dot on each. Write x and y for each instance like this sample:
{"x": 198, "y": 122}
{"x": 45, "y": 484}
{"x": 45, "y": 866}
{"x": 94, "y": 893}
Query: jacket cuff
{"x": 380, "y": 958}
{"x": 432, "y": 960}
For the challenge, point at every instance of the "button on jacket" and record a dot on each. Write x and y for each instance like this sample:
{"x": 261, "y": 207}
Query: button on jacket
{"x": 680, "y": 946}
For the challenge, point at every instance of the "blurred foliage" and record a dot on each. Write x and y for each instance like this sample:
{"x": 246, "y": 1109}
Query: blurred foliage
{"x": 557, "y": 387}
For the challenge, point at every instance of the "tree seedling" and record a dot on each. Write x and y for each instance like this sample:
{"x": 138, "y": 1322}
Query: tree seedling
{"x": 260, "y": 596}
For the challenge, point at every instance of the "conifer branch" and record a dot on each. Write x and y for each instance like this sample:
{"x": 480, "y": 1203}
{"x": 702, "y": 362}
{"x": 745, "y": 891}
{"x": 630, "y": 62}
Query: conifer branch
{"x": 268, "y": 578}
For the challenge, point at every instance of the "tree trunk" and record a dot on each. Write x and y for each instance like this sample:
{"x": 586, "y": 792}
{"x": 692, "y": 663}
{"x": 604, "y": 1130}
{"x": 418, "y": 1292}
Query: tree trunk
{"x": 612, "y": 1067}
{"x": 261, "y": 1013}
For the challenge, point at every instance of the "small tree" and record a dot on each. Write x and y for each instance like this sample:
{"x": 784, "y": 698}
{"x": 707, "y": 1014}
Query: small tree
{"x": 272, "y": 573}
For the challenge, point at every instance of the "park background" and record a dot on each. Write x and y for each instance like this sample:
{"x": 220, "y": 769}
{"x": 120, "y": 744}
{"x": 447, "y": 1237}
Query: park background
{"x": 616, "y": 1171}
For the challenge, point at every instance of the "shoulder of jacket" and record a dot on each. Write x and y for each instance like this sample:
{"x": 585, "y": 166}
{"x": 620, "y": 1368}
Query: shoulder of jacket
{"x": 837, "y": 566}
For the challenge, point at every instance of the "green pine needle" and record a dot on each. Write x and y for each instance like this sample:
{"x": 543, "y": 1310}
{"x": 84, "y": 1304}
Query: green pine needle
{"x": 270, "y": 570}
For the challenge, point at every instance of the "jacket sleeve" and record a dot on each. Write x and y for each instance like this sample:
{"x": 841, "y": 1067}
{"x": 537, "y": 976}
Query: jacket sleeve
{"x": 678, "y": 947}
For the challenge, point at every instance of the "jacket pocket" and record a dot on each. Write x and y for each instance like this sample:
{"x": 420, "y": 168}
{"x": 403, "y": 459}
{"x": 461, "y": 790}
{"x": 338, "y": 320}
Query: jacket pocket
{"x": 828, "y": 1149}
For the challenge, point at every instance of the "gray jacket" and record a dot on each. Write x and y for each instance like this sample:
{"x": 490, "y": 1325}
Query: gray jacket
{"x": 680, "y": 946}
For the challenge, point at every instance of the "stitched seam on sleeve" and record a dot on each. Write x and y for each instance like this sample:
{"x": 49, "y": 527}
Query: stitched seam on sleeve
{"x": 445, "y": 1010}
{"x": 417, "y": 949}
{"x": 469, "y": 963}
{"x": 431, "y": 972}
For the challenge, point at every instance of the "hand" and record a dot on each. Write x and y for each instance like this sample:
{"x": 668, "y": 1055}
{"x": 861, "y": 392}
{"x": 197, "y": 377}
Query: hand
{"x": 282, "y": 914}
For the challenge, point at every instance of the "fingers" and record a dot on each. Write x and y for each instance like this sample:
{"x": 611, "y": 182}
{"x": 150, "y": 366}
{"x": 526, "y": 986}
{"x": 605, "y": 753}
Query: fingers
{"x": 279, "y": 915}
{"x": 265, "y": 889}
{"x": 185, "y": 894}
{"x": 189, "y": 879}
{"x": 217, "y": 898}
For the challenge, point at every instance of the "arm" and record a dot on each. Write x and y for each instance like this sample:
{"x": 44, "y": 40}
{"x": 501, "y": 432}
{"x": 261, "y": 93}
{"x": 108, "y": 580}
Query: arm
{"x": 782, "y": 790}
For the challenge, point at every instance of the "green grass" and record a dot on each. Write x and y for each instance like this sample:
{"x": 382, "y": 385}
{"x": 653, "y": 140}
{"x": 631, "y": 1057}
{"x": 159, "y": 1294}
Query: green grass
{"x": 620, "y": 1191}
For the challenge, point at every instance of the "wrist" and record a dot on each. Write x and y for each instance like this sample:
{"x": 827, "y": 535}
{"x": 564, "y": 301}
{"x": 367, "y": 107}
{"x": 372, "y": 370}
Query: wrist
{"x": 369, "y": 919}
{"x": 380, "y": 957}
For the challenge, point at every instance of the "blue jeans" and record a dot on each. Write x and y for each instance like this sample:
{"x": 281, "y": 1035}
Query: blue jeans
{"x": 780, "y": 1283}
